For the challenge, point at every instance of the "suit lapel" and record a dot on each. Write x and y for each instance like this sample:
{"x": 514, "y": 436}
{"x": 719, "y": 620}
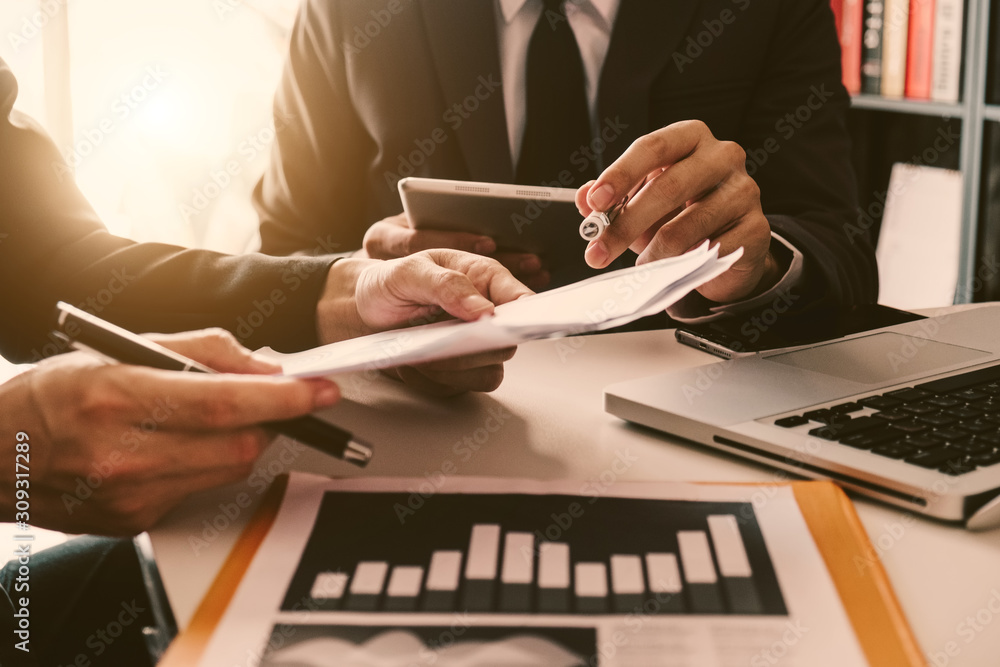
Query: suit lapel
{"x": 463, "y": 42}
{"x": 644, "y": 38}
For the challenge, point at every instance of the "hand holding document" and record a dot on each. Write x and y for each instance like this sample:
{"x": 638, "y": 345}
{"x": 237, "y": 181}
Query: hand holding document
{"x": 602, "y": 302}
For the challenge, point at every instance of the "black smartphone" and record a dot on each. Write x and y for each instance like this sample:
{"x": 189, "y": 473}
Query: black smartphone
{"x": 742, "y": 336}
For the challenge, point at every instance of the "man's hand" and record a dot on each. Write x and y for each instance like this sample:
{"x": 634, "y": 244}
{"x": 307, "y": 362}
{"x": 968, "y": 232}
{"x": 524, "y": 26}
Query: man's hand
{"x": 114, "y": 447}
{"x": 693, "y": 187}
{"x": 366, "y": 296}
{"x": 394, "y": 237}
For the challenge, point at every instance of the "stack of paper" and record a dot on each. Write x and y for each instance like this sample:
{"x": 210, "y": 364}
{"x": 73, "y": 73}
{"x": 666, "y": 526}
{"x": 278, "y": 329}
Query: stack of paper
{"x": 599, "y": 303}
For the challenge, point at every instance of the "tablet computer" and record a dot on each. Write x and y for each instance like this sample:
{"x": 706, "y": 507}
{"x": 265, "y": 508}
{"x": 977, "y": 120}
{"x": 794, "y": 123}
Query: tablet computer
{"x": 520, "y": 218}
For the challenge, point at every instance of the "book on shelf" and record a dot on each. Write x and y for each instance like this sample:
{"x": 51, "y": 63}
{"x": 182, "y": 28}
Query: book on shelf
{"x": 920, "y": 49}
{"x": 895, "y": 24}
{"x": 947, "y": 68}
{"x": 905, "y": 48}
{"x": 871, "y": 47}
{"x": 838, "y": 13}
{"x": 849, "y": 30}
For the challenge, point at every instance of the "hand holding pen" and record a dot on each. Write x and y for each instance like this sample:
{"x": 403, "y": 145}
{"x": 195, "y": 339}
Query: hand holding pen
{"x": 684, "y": 186}
{"x": 89, "y": 333}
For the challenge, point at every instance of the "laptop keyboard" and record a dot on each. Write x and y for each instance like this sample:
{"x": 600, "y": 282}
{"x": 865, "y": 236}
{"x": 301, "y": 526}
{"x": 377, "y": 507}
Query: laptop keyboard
{"x": 951, "y": 425}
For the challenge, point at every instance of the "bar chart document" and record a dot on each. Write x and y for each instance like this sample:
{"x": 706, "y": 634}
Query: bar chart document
{"x": 466, "y": 572}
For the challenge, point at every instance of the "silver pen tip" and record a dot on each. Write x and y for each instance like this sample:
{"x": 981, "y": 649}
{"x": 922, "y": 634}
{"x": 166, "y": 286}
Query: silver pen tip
{"x": 359, "y": 453}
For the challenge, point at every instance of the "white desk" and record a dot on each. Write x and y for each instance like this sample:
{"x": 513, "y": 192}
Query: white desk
{"x": 547, "y": 421}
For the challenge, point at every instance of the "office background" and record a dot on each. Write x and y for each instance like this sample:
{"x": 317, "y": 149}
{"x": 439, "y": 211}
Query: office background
{"x": 162, "y": 110}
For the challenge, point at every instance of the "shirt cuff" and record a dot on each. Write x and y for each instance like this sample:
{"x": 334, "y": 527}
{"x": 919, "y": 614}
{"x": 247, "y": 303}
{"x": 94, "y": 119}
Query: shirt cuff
{"x": 696, "y": 309}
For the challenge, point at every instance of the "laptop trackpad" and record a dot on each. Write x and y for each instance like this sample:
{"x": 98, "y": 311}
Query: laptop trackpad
{"x": 879, "y": 358}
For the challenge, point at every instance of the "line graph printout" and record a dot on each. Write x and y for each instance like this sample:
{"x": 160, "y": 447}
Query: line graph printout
{"x": 505, "y": 572}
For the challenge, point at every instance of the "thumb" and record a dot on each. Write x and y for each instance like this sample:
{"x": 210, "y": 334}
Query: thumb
{"x": 427, "y": 282}
{"x": 456, "y": 294}
{"x": 218, "y": 349}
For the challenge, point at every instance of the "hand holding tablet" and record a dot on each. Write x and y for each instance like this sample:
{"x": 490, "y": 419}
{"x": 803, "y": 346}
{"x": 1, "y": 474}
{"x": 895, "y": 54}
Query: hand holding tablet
{"x": 520, "y": 220}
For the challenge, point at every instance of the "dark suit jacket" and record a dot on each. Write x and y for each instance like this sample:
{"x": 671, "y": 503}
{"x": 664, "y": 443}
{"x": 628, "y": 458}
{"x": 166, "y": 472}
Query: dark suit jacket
{"x": 366, "y": 90}
{"x": 53, "y": 246}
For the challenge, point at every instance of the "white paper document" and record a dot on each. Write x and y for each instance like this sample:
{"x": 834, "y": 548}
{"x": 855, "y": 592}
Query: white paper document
{"x": 602, "y": 302}
{"x": 474, "y": 572}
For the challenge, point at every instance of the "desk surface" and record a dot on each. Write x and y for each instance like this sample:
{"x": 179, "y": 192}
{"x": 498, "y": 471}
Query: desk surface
{"x": 547, "y": 421}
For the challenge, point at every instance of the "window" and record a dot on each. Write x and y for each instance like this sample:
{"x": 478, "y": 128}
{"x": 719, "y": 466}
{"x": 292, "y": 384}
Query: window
{"x": 165, "y": 106}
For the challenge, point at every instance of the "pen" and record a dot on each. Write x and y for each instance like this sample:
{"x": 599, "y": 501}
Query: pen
{"x": 593, "y": 225}
{"x": 90, "y": 333}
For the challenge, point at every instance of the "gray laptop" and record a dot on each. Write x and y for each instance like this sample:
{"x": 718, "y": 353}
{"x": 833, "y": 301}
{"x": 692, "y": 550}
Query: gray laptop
{"x": 908, "y": 414}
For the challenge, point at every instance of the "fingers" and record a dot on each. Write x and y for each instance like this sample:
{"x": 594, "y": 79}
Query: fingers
{"x": 488, "y": 276}
{"x": 690, "y": 179}
{"x": 471, "y": 361}
{"x": 217, "y": 349}
{"x": 393, "y": 237}
{"x": 451, "y": 383}
{"x": 710, "y": 218}
{"x": 465, "y": 286}
{"x": 133, "y": 505}
{"x": 519, "y": 263}
{"x": 653, "y": 151}
{"x": 194, "y": 401}
{"x": 526, "y": 268}
{"x": 744, "y": 278}
{"x": 582, "y": 204}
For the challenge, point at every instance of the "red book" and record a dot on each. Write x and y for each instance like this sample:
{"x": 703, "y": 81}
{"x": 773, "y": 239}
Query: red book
{"x": 920, "y": 56}
{"x": 851, "y": 15}
{"x": 838, "y": 12}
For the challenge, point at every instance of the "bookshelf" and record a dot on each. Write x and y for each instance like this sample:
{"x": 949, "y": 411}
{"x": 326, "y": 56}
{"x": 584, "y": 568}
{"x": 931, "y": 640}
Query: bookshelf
{"x": 972, "y": 112}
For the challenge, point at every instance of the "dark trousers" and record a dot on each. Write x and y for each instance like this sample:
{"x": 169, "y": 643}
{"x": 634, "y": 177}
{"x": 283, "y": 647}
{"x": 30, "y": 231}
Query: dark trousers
{"x": 87, "y": 606}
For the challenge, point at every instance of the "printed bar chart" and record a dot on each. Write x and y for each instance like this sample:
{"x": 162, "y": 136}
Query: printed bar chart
{"x": 536, "y": 554}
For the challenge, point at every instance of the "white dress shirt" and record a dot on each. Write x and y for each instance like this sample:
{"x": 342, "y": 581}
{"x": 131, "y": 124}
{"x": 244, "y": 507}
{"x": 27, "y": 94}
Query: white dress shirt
{"x": 592, "y": 22}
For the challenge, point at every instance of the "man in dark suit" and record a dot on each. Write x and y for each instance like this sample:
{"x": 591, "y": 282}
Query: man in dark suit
{"x": 113, "y": 447}
{"x": 376, "y": 90}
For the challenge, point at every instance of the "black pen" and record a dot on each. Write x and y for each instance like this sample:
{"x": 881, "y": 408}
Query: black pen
{"x": 90, "y": 333}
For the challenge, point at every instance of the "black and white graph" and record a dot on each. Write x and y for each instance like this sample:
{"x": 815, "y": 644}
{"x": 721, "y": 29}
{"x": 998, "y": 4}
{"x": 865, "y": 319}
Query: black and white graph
{"x": 534, "y": 554}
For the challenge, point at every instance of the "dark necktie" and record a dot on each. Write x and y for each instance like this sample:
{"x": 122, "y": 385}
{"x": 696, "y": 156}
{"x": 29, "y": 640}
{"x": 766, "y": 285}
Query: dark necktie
{"x": 557, "y": 123}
